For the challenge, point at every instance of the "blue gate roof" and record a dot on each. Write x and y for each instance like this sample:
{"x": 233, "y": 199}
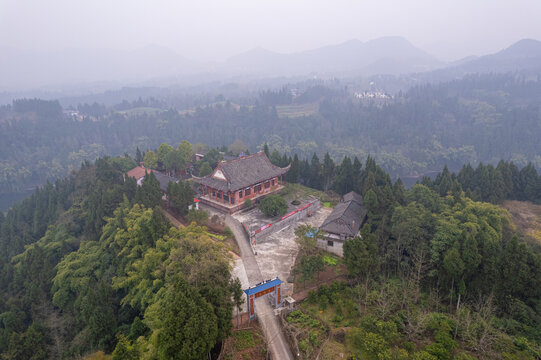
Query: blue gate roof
{"x": 262, "y": 286}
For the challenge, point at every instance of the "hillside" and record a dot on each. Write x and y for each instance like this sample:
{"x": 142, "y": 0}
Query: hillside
{"x": 527, "y": 218}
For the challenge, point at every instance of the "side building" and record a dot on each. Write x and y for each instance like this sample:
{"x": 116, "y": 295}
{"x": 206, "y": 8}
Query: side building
{"x": 235, "y": 181}
{"x": 344, "y": 222}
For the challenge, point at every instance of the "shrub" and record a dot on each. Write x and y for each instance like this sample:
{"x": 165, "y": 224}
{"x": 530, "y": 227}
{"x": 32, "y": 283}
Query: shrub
{"x": 273, "y": 205}
{"x": 323, "y": 302}
{"x": 247, "y": 203}
{"x": 199, "y": 216}
{"x": 295, "y": 202}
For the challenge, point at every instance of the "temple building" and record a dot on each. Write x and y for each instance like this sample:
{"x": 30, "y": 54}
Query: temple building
{"x": 235, "y": 181}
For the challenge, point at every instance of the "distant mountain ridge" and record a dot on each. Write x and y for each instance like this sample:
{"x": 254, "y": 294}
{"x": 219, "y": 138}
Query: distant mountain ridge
{"x": 524, "y": 55}
{"x": 387, "y": 55}
{"x": 161, "y": 66}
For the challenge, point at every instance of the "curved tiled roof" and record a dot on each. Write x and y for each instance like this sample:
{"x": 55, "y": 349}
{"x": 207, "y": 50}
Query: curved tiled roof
{"x": 347, "y": 216}
{"x": 242, "y": 172}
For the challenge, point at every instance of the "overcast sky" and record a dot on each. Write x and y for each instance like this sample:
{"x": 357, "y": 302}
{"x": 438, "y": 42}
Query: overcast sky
{"x": 213, "y": 30}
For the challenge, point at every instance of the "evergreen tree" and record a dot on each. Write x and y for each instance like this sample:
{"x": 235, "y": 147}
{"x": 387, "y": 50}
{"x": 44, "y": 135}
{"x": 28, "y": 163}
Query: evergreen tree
{"x": 138, "y": 156}
{"x": 328, "y": 171}
{"x": 185, "y": 321}
{"x": 294, "y": 170}
{"x": 149, "y": 193}
{"x": 315, "y": 173}
{"x": 344, "y": 180}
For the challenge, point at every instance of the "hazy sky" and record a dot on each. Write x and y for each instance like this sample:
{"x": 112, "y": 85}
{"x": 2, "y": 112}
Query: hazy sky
{"x": 213, "y": 30}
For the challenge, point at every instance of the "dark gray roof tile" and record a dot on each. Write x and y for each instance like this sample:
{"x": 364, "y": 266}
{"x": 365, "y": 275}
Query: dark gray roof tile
{"x": 243, "y": 172}
{"x": 347, "y": 216}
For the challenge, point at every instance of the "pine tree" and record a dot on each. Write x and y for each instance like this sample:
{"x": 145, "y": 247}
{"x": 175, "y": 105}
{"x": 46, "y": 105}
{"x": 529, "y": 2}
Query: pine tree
{"x": 315, "y": 173}
{"x": 328, "y": 172}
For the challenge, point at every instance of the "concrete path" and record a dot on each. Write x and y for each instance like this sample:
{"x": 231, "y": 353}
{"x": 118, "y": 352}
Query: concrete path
{"x": 276, "y": 341}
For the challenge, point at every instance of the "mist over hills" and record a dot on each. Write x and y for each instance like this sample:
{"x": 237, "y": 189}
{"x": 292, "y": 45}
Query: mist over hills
{"x": 388, "y": 55}
{"x": 104, "y": 69}
{"x": 21, "y": 69}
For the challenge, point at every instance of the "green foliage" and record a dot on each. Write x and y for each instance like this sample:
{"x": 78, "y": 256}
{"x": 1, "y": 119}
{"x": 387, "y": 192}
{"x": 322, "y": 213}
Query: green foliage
{"x": 243, "y": 339}
{"x": 361, "y": 254}
{"x": 180, "y": 196}
{"x": 273, "y": 205}
{"x": 151, "y": 160}
{"x": 247, "y": 203}
{"x": 306, "y": 237}
{"x": 198, "y": 216}
{"x": 183, "y": 322}
{"x": 124, "y": 350}
{"x": 204, "y": 169}
{"x": 149, "y": 193}
{"x": 329, "y": 260}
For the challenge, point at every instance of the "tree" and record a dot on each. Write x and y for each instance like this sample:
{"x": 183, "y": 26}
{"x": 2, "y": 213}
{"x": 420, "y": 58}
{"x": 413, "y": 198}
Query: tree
{"x": 273, "y": 205}
{"x": 344, "y": 179}
{"x": 184, "y": 323}
{"x": 205, "y": 169}
{"x": 151, "y": 160}
{"x": 185, "y": 150}
{"x": 238, "y": 296}
{"x": 361, "y": 254}
{"x": 275, "y": 158}
{"x": 328, "y": 171}
{"x": 149, "y": 193}
{"x": 138, "y": 156}
{"x": 306, "y": 237}
{"x": 311, "y": 265}
{"x": 174, "y": 161}
{"x": 454, "y": 267}
{"x": 237, "y": 147}
{"x": 163, "y": 151}
{"x": 124, "y": 350}
{"x": 293, "y": 173}
{"x": 180, "y": 196}
{"x": 315, "y": 173}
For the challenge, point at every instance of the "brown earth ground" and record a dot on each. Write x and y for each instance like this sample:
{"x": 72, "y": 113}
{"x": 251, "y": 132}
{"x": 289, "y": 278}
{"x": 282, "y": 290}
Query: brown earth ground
{"x": 330, "y": 274}
{"x": 527, "y": 218}
{"x": 245, "y": 343}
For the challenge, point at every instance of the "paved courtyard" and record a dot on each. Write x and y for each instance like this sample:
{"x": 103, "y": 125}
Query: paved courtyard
{"x": 276, "y": 254}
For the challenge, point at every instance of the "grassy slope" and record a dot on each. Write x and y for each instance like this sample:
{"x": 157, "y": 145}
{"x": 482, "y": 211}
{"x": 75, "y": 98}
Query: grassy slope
{"x": 527, "y": 218}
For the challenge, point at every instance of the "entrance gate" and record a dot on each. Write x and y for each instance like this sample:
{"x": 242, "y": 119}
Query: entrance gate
{"x": 263, "y": 288}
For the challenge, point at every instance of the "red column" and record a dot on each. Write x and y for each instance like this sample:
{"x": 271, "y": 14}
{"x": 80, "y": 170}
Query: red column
{"x": 209, "y": 192}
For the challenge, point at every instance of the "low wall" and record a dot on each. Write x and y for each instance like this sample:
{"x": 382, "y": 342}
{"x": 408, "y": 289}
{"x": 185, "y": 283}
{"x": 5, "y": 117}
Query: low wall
{"x": 300, "y": 214}
{"x": 337, "y": 248}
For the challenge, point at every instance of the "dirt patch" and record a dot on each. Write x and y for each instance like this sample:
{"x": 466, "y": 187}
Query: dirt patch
{"x": 327, "y": 276}
{"x": 246, "y": 343}
{"x": 527, "y": 218}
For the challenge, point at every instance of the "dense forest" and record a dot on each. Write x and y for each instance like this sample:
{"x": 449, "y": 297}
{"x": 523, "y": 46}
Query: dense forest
{"x": 434, "y": 274}
{"x": 480, "y": 118}
{"x": 91, "y": 263}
